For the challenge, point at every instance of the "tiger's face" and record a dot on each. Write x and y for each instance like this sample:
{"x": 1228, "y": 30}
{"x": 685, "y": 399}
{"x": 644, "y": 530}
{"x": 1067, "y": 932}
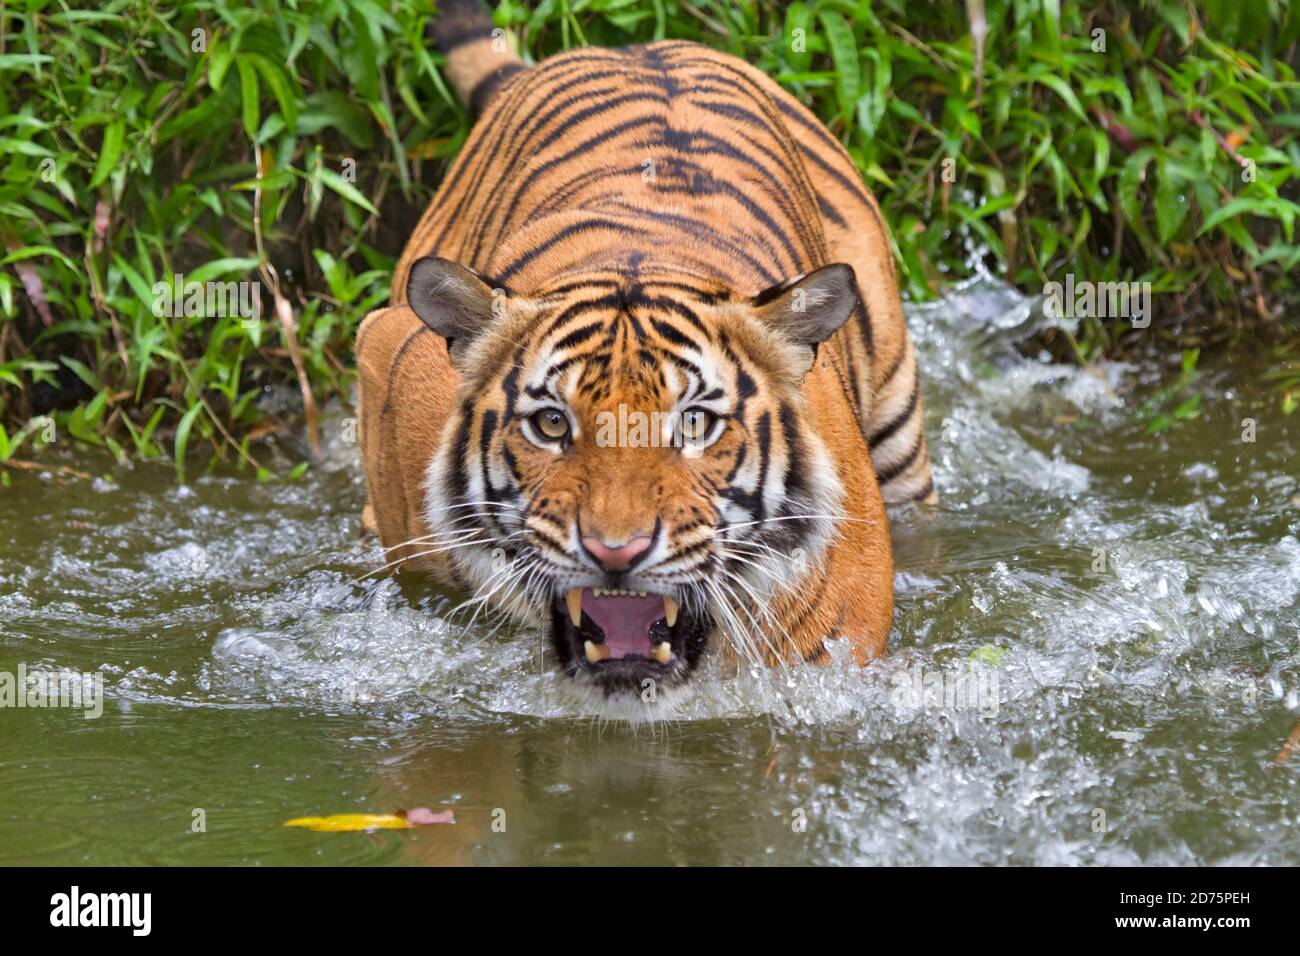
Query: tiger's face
{"x": 631, "y": 464}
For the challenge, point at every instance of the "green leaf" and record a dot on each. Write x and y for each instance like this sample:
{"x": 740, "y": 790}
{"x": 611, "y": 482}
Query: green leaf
{"x": 1130, "y": 179}
{"x": 798, "y": 17}
{"x": 1155, "y": 97}
{"x": 345, "y": 189}
{"x": 1231, "y": 210}
{"x": 220, "y": 56}
{"x": 844, "y": 54}
{"x": 1062, "y": 89}
{"x": 249, "y": 98}
{"x": 364, "y": 61}
{"x": 1171, "y": 203}
{"x": 331, "y": 108}
{"x": 109, "y": 152}
{"x": 22, "y": 61}
{"x": 222, "y": 267}
{"x": 81, "y": 370}
{"x": 183, "y": 438}
{"x": 282, "y": 87}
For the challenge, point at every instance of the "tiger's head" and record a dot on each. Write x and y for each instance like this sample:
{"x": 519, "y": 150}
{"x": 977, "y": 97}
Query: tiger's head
{"x": 631, "y": 463}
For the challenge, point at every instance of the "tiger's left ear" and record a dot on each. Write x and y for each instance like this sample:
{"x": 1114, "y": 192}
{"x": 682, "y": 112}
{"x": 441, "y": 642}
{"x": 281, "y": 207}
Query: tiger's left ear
{"x": 808, "y": 309}
{"x": 453, "y": 301}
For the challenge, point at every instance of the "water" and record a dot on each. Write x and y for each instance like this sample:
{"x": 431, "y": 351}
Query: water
{"x": 1112, "y": 615}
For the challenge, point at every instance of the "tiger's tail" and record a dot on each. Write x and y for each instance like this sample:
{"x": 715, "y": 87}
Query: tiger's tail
{"x": 479, "y": 58}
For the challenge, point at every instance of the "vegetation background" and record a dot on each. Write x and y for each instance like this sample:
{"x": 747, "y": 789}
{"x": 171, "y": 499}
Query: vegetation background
{"x": 294, "y": 142}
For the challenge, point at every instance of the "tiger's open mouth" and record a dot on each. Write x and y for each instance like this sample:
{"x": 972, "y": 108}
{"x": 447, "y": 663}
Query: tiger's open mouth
{"x": 619, "y": 638}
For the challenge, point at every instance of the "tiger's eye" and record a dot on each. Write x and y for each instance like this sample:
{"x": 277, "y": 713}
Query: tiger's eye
{"x": 551, "y": 423}
{"x": 696, "y": 423}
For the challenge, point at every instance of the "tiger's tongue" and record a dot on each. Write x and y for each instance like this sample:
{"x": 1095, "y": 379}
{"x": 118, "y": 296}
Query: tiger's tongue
{"x": 625, "y": 620}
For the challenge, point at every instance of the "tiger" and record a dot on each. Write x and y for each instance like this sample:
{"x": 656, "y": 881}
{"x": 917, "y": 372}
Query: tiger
{"x": 644, "y": 384}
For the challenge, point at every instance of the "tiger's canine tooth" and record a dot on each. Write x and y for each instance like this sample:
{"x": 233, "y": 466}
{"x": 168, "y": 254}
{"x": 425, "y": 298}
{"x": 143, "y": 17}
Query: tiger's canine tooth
{"x": 595, "y": 652}
{"x": 574, "y": 600}
{"x": 670, "y": 610}
{"x": 662, "y": 652}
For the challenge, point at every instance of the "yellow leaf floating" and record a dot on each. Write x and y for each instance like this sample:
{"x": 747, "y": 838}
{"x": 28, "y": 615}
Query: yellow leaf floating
{"x": 350, "y": 822}
{"x": 353, "y": 822}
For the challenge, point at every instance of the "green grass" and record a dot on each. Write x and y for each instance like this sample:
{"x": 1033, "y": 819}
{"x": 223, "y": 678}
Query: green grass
{"x": 294, "y": 144}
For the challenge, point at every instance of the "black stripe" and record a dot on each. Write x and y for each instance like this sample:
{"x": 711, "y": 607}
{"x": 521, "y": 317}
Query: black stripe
{"x": 794, "y": 477}
{"x": 899, "y": 420}
{"x": 559, "y": 546}
{"x": 893, "y": 369}
{"x": 577, "y": 308}
{"x": 452, "y": 35}
{"x": 486, "y": 431}
{"x": 511, "y": 463}
{"x": 828, "y": 211}
{"x": 752, "y": 501}
{"x": 459, "y": 23}
{"x": 863, "y": 314}
{"x": 676, "y": 337}
{"x": 737, "y": 464}
{"x": 459, "y": 477}
{"x": 671, "y": 305}
{"x": 393, "y": 366}
{"x": 745, "y": 386}
{"x": 687, "y": 550}
{"x": 888, "y": 474}
{"x": 537, "y": 251}
{"x": 581, "y": 284}
{"x": 706, "y": 296}
{"x": 487, "y": 87}
{"x": 686, "y": 365}
{"x": 510, "y": 384}
{"x": 578, "y": 336}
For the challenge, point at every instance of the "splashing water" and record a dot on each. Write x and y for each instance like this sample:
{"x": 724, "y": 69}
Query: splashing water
{"x": 1094, "y": 660}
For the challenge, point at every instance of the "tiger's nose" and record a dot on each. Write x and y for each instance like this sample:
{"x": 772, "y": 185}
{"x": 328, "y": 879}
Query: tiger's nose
{"x": 616, "y": 557}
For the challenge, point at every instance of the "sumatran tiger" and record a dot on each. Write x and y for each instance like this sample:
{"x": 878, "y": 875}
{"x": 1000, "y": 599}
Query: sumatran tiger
{"x": 645, "y": 382}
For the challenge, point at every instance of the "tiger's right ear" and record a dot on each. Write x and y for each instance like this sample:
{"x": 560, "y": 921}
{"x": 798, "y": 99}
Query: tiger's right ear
{"x": 453, "y": 301}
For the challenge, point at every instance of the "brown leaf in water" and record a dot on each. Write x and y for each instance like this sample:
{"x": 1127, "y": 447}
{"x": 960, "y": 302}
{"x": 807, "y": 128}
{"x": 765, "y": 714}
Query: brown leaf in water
{"x": 263, "y": 428}
{"x": 1291, "y": 746}
{"x": 45, "y": 466}
{"x": 771, "y": 764}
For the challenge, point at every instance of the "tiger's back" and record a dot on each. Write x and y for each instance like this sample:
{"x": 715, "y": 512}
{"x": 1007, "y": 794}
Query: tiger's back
{"x": 668, "y": 179}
